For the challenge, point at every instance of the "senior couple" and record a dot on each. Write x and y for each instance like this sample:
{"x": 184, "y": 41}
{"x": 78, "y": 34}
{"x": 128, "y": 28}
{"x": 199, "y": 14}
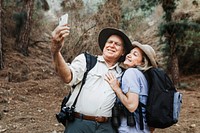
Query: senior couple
{"x": 102, "y": 86}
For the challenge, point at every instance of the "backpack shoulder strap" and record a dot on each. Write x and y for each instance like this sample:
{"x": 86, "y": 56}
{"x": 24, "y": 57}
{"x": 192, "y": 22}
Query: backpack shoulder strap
{"x": 147, "y": 75}
{"x": 90, "y": 63}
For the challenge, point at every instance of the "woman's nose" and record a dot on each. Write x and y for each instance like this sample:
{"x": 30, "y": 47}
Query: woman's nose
{"x": 128, "y": 55}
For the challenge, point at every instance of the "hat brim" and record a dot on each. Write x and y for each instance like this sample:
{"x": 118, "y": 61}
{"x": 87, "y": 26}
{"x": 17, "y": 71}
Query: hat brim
{"x": 107, "y": 32}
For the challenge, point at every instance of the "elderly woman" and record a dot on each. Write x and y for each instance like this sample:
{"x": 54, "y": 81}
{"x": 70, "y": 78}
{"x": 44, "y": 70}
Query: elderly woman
{"x": 134, "y": 86}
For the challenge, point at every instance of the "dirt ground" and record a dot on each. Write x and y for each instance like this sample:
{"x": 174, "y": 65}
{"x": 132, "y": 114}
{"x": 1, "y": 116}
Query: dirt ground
{"x": 31, "y": 93}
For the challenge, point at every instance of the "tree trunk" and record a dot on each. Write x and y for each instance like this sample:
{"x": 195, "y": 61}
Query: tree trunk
{"x": 169, "y": 6}
{"x": 22, "y": 42}
{"x": 175, "y": 70}
{"x": 1, "y": 51}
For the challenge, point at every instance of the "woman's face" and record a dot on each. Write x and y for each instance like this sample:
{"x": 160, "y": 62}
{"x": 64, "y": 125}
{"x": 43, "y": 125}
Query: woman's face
{"x": 134, "y": 58}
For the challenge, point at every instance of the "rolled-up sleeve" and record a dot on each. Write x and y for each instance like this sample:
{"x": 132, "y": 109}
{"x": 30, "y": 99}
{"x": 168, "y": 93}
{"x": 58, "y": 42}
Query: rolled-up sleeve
{"x": 78, "y": 67}
{"x": 130, "y": 81}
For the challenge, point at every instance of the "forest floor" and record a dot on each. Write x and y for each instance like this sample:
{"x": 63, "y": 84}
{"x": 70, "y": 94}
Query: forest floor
{"x": 31, "y": 94}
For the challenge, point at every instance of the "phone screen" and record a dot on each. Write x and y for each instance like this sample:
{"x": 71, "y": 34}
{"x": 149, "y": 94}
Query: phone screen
{"x": 63, "y": 19}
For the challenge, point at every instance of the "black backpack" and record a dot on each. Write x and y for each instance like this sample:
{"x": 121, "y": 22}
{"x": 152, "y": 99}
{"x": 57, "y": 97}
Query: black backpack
{"x": 163, "y": 102}
{"x": 90, "y": 63}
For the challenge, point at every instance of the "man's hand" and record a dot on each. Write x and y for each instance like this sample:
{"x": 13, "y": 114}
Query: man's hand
{"x": 58, "y": 35}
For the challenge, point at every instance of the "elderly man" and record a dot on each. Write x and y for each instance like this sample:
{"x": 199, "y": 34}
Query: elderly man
{"x": 93, "y": 109}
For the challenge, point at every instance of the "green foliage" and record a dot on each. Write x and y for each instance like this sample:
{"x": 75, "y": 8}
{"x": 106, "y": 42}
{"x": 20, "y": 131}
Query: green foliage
{"x": 193, "y": 36}
{"x": 187, "y": 45}
{"x": 148, "y": 4}
{"x": 20, "y": 2}
{"x": 191, "y": 40}
{"x": 146, "y": 7}
{"x": 132, "y": 15}
{"x": 7, "y": 3}
{"x": 169, "y": 7}
{"x": 189, "y": 53}
{"x": 177, "y": 29}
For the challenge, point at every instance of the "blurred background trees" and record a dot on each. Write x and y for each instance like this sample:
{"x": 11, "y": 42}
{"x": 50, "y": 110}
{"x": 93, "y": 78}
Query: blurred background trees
{"x": 170, "y": 26}
{"x": 23, "y": 27}
{"x": 174, "y": 29}
{"x": 1, "y": 52}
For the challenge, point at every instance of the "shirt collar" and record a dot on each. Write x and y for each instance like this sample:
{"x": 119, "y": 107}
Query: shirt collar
{"x": 116, "y": 66}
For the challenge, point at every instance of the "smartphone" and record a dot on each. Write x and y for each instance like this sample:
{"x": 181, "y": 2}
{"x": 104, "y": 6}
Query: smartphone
{"x": 63, "y": 19}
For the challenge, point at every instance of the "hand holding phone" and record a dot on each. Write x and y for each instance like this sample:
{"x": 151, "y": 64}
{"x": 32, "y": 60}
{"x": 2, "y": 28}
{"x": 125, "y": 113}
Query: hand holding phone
{"x": 63, "y": 19}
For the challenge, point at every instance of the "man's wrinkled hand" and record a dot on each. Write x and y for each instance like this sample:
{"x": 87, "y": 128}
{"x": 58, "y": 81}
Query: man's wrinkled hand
{"x": 58, "y": 35}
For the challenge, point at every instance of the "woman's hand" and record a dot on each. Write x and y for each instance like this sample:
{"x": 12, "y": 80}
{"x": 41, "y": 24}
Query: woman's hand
{"x": 129, "y": 99}
{"x": 58, "y": 35}
{"x": 113, "y": 82}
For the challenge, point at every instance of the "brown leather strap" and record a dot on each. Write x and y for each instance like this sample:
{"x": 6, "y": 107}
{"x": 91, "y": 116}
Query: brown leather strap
{"x": 99, "y": 119}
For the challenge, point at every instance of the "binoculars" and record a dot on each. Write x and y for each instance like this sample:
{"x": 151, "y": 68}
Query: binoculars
{"x": 115, "y": 120}
{"x": 66, "y": 114}
{"x": 117, "y": 111}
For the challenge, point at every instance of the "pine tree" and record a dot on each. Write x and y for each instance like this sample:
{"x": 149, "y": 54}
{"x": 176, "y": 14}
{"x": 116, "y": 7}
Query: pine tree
{"x": 174, "y": 33}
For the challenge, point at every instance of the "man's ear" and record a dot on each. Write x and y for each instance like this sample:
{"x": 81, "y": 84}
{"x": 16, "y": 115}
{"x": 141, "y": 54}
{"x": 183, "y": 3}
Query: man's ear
{"x": 123, "y": 53}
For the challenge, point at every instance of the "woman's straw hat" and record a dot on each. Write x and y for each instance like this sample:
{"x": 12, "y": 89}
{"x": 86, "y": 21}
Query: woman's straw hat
{"x": 148, "y": 50}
